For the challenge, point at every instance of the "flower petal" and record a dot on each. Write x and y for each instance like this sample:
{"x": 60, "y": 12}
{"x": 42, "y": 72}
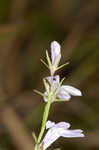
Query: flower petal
{"x": 49, "y": 124}
{"x": 71, "y": 90}
{"x": 64, "y": 125}
{"x": 51, "y": 136}
{"x": 45, "y": 97}
{"x": 57, "y": 130}
{"x": 55, "y": 50}
{"x": 56, "y": 80}
{"x": 77, "y": 131}
{"x": 63, "y": 95}
{"x": 72, "y": 133}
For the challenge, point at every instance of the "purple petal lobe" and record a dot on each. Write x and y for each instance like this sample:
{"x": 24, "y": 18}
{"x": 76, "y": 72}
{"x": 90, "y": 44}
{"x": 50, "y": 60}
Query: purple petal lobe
{"x": 56, "y": 80}
{"x": 77, "y": 131}
{"x": 64, "y": 125}
{"x": 72, "y": 133}
{"x": 71, "y": 90}
{"x": 49, "y": 124}
{"x": 51, "y": 136}
{"x": 63, "y": 95}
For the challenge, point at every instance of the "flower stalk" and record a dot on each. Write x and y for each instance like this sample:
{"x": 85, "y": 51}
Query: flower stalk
{"x": 45, "y": 117}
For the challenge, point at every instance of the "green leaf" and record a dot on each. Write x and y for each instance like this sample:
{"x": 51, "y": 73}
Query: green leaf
{"x": 48, "y": 58}
{"x": 34, "y": 137}
{"x": 38, "y": 92}
{"x": 44, "y": 63}
{"x": 62, "y": 66}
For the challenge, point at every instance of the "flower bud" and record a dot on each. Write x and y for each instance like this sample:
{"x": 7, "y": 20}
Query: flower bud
{"x": 55, "y": 52}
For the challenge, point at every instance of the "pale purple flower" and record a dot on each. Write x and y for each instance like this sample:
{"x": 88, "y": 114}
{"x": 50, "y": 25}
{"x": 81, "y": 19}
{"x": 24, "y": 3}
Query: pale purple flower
{"x": 59, "y": 130}
{"x": 55, "y": 51}
{"x": 64, "y": 92}
{"x": 56, "y": 80}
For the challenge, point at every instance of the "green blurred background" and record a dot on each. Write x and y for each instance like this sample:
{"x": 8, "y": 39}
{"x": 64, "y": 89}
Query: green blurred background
{"x": 26, "y": 29}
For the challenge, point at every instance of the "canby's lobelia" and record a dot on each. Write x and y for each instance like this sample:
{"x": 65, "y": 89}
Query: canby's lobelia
{"x": 55, "y": 91}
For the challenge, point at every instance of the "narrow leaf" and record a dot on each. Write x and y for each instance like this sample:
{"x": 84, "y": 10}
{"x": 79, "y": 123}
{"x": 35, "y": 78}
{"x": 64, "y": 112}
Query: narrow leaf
{"x": 38, "y": 92}
{"x": 48, "y": 58}
{"x": 34, "y": 137}
{"x": 62, "y": 66}
{"x": 44, "y": 63}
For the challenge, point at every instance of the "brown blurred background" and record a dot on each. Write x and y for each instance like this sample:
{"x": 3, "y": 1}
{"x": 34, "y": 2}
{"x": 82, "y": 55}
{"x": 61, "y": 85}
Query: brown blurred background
{"x": 26, "y": 29}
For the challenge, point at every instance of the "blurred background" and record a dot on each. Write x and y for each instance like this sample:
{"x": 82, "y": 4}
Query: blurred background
{"x": 26, "y": 29}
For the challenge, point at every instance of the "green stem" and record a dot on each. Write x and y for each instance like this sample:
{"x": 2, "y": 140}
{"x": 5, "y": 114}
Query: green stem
{"x": 46, "y": 112}
{"x": 45, "y": 116}
{"x": 36, "y": 147}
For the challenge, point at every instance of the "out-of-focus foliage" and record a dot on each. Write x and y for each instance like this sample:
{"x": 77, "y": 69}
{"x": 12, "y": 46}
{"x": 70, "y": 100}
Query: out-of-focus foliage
{"x": 26, "y": 29}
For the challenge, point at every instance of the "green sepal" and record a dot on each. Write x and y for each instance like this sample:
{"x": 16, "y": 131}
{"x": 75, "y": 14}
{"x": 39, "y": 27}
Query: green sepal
{"x": 46, "y": 85}
{"x": 57, "y": 61}
{"x": 57, "y": 88}
{"x": 59, "y": 100}
{"x": 42, "y": 147}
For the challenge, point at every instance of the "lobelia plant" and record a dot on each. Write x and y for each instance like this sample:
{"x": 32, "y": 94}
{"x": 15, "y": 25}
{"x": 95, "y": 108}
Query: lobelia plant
{"x": 55, "y": 92}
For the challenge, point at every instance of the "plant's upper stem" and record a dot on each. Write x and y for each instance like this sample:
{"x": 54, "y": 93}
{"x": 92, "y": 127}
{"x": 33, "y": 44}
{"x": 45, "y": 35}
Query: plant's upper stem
{"x": 46, "y": 112}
